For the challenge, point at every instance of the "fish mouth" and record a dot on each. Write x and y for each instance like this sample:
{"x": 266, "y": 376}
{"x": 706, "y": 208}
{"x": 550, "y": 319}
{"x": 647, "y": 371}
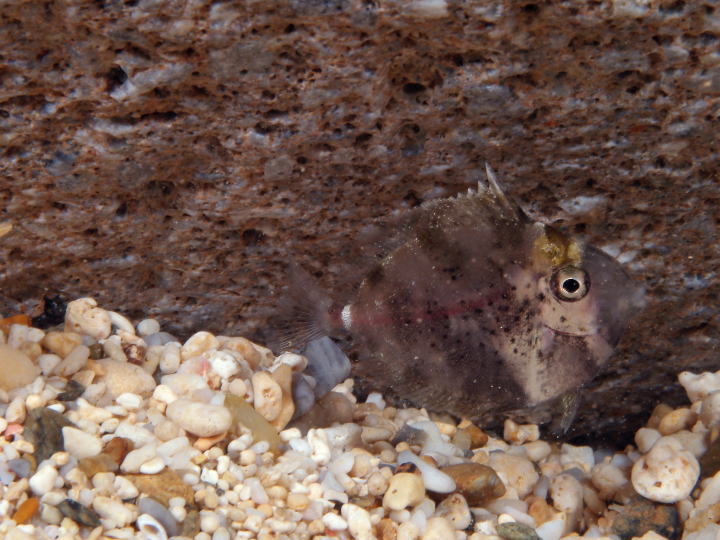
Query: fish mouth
{"x": 571, "y": 334}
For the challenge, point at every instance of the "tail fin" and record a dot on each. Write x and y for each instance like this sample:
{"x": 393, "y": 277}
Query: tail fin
{"x": 304, "y": 311}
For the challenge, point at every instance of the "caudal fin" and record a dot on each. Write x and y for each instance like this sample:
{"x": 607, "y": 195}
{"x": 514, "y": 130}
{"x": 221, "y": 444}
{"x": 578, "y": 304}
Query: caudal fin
{"x": 304, "y": 311}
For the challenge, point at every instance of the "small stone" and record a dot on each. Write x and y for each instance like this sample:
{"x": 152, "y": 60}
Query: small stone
{"x": 148, "y": 505}
{"x": 455, "y": 509}
{"x": 567, "y": 494}
{"x": 162, "y": 486}
{"x": 197, "y": 344}
{"x": 134, "y": 460}
{"x": 112, "y": 509}
{"x": 282, "y": 375}
{"x": 515, "y": 471}
{"x": 297, "y": 501}
{"x": 20, "y": 466}
{"x": 47, "y": 363}
{"x": 699, "y": 386}
{"x": 674, "y": 421}
{"x": 117, "y": 448}
{"x": 73, "y": 362}
{"x": 80, "y": 444}
{"x": 201, "y": 419}
{"x": 645, "y": 438}
{"x": 147, "y": 327}
{"x": 121, "y": 377}
{"x": 477, "y": 483}
{"x": 61, "y": 343}
{"x": 667, "y": 473}
{"x": 102, "y": 463}
{"x": 43, "y": 480}
{"x": 608, "y": 479}
{"x": 72, "y": 391}
{"x": 267, "y": 395}
{"x": 79, "y": 513}
{"x": 152, "y": 466}
{"x": 26, "y": 510}
{"x": 334, "y": 522}
{"x": 17, "y": 369}
{"x": 358, "y": 521}
{"x": 43, "y": 428}
{"x": 438, "y": 528}
{"x": 15, "y": 412}
{"x": 84, "y": 317}
{"x": 405, "y": 489}
{"x": 129, "y": 401}
{"x": 516, "y": 531}
{"x": 518, "y": 434}
{"x": 641, "y": 516}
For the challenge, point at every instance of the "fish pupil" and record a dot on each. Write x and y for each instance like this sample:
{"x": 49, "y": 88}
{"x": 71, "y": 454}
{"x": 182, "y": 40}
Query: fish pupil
{"x": 571, "y": 285}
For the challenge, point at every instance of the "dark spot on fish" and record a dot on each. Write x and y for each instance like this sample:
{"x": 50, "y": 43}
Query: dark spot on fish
{"x": 375, "y": 276}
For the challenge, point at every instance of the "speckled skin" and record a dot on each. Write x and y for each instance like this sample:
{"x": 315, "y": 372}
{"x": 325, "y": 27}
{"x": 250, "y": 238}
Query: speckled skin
{"x": 460, "y": 316}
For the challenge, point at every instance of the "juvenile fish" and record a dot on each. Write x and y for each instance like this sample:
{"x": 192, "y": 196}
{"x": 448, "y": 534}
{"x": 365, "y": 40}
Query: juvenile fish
{"x": 474, "y": 309}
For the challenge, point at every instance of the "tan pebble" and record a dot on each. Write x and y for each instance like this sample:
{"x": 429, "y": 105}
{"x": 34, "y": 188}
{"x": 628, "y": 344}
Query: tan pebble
{"x": 81, "y": 444}
{"x": 30, "y": 349}
{"x": 377, "y": 483}
{"x": 121, "y": 377}
{"x": 608, "y": 479}
{"x": 515, "y": 471}
{"x": 267, "y": 395}
{"x": 361, "y": 465}
{"x": 710, "y": 410}
{"x": 61, "y": 343}
{"x": 244, "y": 347}
{"x": 537, "y": 450}
{"x": 645, "y": 438}
{"x": 480, "y": 457}
{"x": 455, "y": 509}
{"x": 205, "y": 443}
{"x": 17, "y": 369}
{"x": 567, "y": 494}
{"x": 405, "y": 489}
{"x": 298, "y": 501}
{"x": 84, "y": 317}
{"x": 408, "y": 531}
{"x": 657, "y": 415}
{"x": 387, "y": 529}
{"x": 16, "y": 411}
{"x": 540, "y": 510}
{"x": 478, "y": 437}
{"x": 283, "y": 377}
{"x": 515, "y": 433}
{"x": 676, "y": 420}
{"x": 197, "y": 344}
{"x": 238, "y": 387}
{"x": 477, "y": 483}
{"x": 375, "y": 434}
{"x": 667, "y": 473}
{"x": 73, "y": 362}
{"x": 438, "y": 528}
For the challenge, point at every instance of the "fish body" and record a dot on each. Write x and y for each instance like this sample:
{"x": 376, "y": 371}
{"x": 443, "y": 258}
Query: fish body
{"x": 476, "y": 309}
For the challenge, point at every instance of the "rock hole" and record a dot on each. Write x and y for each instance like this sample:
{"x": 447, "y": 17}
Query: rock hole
{"x": 115, "y": 77}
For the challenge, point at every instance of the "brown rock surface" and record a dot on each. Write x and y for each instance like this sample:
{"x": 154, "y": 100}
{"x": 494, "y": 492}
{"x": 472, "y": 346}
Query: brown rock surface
{"x": 171, "y": 157}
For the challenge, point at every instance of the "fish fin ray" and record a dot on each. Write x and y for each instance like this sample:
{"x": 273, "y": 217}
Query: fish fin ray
{"x": 303, "y": 311}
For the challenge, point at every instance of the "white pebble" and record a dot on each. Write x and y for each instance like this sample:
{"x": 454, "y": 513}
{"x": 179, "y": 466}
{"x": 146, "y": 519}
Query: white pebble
{"x": 81, "y": 444}
{"x": 434, "y": 479}
{"x": 48, "y": 362}
{"x": 515, "y": 471}
{"x": 152, "y": 466}
{"x": 567, "y": 494}
{"x": 129, "y": 401}
{"x": 520, "y": 433}
{"x": 608, "y": 478}
{"x": 197, "y": 344}
{"x": 667, "y": 473}
{"x": 334, "y": 522}
{"x": 699, "y": 386}
{"x": 121, "y": 322}
{"x": 438, "y": 528}
{"x": 170, "y": 357}
{"x": 15, "y": 412}
{"x": 124, "y": 488}
{"x": 84, "y": 317}
{"x": 645, "y": 438}
{"x": 455, "y": 509}
{"x": 113, "y": 510}
{"x": 224, "y": 364}
{"x": 209, "y": 521}
{"x": 164, "y": 394}
{"x": 135, "y": 458}
{"x": 358, "y": 521}
{"x": 147, "y": 327}
{"x": 200, "y": 419}
{"x": 405, "y": 489}
{"x": 43, "y": 480}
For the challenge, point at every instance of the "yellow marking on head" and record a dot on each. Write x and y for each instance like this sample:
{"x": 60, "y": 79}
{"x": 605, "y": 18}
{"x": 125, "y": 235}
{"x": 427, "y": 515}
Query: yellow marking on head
{"x": 554, "y": 249}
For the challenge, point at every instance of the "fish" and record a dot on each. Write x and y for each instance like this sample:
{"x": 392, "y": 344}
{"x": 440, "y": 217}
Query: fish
{"x": 473, "y": 309}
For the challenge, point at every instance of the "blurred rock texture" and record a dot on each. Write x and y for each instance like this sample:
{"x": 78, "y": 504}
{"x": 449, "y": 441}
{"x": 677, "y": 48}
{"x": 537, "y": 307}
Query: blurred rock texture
{"x": 169, "y": 157}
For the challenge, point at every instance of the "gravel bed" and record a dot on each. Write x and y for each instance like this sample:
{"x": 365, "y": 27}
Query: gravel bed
{"x": 110, "y": 429}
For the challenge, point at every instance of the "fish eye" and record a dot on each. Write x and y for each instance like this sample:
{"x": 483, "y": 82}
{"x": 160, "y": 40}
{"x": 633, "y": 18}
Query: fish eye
{"x": 570, "y": 284}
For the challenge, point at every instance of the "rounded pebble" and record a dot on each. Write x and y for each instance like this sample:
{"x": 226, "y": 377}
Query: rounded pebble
{"x": 405, "y": 489}
{"x": 80, "y": 444}
{"x": 200, "y": 419}
{"x": 84, "y": 317}
{"x": 121, "y": 377}
{"x": 147, "y": 327}
{"x": 17, "y": 369}
{"x": 667, "y": 473}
